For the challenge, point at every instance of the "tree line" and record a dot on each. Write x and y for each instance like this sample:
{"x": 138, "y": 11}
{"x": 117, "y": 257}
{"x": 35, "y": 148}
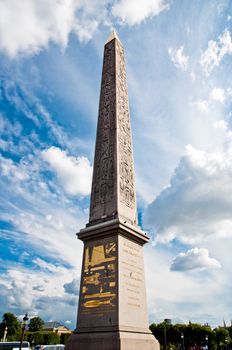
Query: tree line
{"x": 192, "y": 336}
{"x": 35, "y": 334}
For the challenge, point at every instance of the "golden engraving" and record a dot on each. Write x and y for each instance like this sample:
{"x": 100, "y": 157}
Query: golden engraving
{"x": 92, "y": 279}
{"x": 96, "y": 303}
{"x": 97, "y": 268}
{"x": 99, "y": 295}
{"x": 99, "y": 255}
{"x": 99, "y": 277}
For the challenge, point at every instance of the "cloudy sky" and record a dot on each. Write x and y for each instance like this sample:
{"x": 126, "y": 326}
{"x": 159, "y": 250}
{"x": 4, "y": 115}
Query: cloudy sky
{"x": 179, "y": 69}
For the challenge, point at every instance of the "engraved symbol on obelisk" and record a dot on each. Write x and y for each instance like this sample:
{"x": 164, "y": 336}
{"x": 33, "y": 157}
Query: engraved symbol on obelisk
{"x": 113, "y": 185}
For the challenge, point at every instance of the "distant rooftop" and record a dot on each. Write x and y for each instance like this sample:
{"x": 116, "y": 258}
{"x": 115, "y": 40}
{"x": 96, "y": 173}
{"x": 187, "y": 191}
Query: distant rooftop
{"x": 52, "y": 324}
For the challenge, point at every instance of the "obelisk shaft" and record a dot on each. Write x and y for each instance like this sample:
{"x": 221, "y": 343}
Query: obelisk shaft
{"x": 113, "y": 186}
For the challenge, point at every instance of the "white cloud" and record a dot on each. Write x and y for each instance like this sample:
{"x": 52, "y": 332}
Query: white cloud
{"x": 38, "y": 213}
{"x": 9, "y": 169}
{"x": 27, "y": 26}
{"x": 195, "y": 258}
{"x": 201, "y": 105}
{"x": 134, "y": 12}
{"x": 41, "y": 289}
{"x": 218, "y": 94}
{"x": 179, "y": 295}
{"x": 72, "y": 287}
{"x": 74, "y": 173}
{"x": 44, "y": 265}
{"x": 197, "y": 204}
{"x": 221, "y": 124}
{"x": 215, "y": 52}
{"x": 24, "y": 100}
{"x": 9, "y": 128}
{"x": 31, "y": 226}
{"x": 178, "y": 58}
{"x": 38, "y": 210}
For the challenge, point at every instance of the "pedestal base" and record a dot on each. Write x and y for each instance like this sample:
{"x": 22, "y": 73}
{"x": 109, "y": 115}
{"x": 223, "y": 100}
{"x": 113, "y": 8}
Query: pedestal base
{"x": 112, "y": 341}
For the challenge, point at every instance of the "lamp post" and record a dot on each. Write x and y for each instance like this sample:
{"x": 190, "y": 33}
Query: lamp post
{"x": 182, "y": 340}
{"x": 4, "y": 334}
{"x": 206, "y": 340}
{"x": 165, "y": 339}
{"x": 25, "y": 319}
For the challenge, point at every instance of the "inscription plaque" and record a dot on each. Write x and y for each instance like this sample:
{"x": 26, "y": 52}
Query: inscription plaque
{"x": 132, "y": 305}
{"x": 98, "y": 297}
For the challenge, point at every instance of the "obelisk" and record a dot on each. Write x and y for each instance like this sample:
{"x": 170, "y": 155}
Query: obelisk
{"x": 112, "y": 311}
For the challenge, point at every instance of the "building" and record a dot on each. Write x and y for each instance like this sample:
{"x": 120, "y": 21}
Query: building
{"x": 56, "y": 327}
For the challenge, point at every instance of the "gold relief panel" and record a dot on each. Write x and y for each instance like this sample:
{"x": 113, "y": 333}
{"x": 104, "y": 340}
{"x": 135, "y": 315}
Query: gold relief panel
{"x": 99, "y": 282}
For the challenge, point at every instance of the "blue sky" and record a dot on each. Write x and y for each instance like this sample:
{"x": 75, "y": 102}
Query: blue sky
{"x": 179, "y": 79}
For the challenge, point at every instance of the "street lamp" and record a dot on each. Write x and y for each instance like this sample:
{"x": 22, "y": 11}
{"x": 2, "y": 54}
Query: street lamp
{"x": 206, "y": 340}
{"x": 182, "y": 339}
{"x": 4, "y": 334}
{"x": 25, "y": 319}
{"x": 165, "y": 339}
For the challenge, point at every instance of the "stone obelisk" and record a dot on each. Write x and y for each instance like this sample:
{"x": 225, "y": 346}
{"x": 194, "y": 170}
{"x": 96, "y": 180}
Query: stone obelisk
{"x": 112, "y": 311}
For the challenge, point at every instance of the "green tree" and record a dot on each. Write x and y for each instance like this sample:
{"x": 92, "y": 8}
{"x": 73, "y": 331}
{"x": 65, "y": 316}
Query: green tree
{"x": 51, "y": 338}
{"x": 35, "y": 338}
{"x": 221, "y": 336}
{"x": 194, "y": 334}
{"x": 10, "y": 321}
{"x": 230, "y": 331}
{"x": 42, "y": 338}
{"x": 64, "y": 337}
{"x": 36, "y": 324}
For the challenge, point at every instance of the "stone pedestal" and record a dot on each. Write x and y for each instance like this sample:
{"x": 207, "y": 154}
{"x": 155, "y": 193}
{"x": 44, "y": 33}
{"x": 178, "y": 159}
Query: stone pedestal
{"x": 113, "y": 341}
{"x": 112, "y": 312}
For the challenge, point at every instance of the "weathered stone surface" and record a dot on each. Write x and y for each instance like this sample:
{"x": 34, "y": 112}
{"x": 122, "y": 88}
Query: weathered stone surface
{"x": 132, "y": 309}
{"x": 113, "y": 341}
{"x": 113, "y": 186}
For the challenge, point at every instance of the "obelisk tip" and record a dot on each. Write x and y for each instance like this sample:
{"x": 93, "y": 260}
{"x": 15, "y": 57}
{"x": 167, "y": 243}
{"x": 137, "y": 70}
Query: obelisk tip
{"x": 113, "y": 35}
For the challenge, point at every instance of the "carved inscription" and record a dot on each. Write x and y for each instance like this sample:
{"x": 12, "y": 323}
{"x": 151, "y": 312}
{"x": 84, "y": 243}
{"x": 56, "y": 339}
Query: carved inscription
{"x": 113, "y": 175}
{"x": 132, "y": 284}
{"x": 103, "y": 185}
{"x": 126, "y": 173}
{"x": 132, "y": 274}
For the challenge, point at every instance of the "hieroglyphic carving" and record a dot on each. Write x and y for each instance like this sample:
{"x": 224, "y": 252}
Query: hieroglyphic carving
{"x": 104, "y": 176}
{"x": 126, "y": 171}
{"x": 113, "y": 176}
